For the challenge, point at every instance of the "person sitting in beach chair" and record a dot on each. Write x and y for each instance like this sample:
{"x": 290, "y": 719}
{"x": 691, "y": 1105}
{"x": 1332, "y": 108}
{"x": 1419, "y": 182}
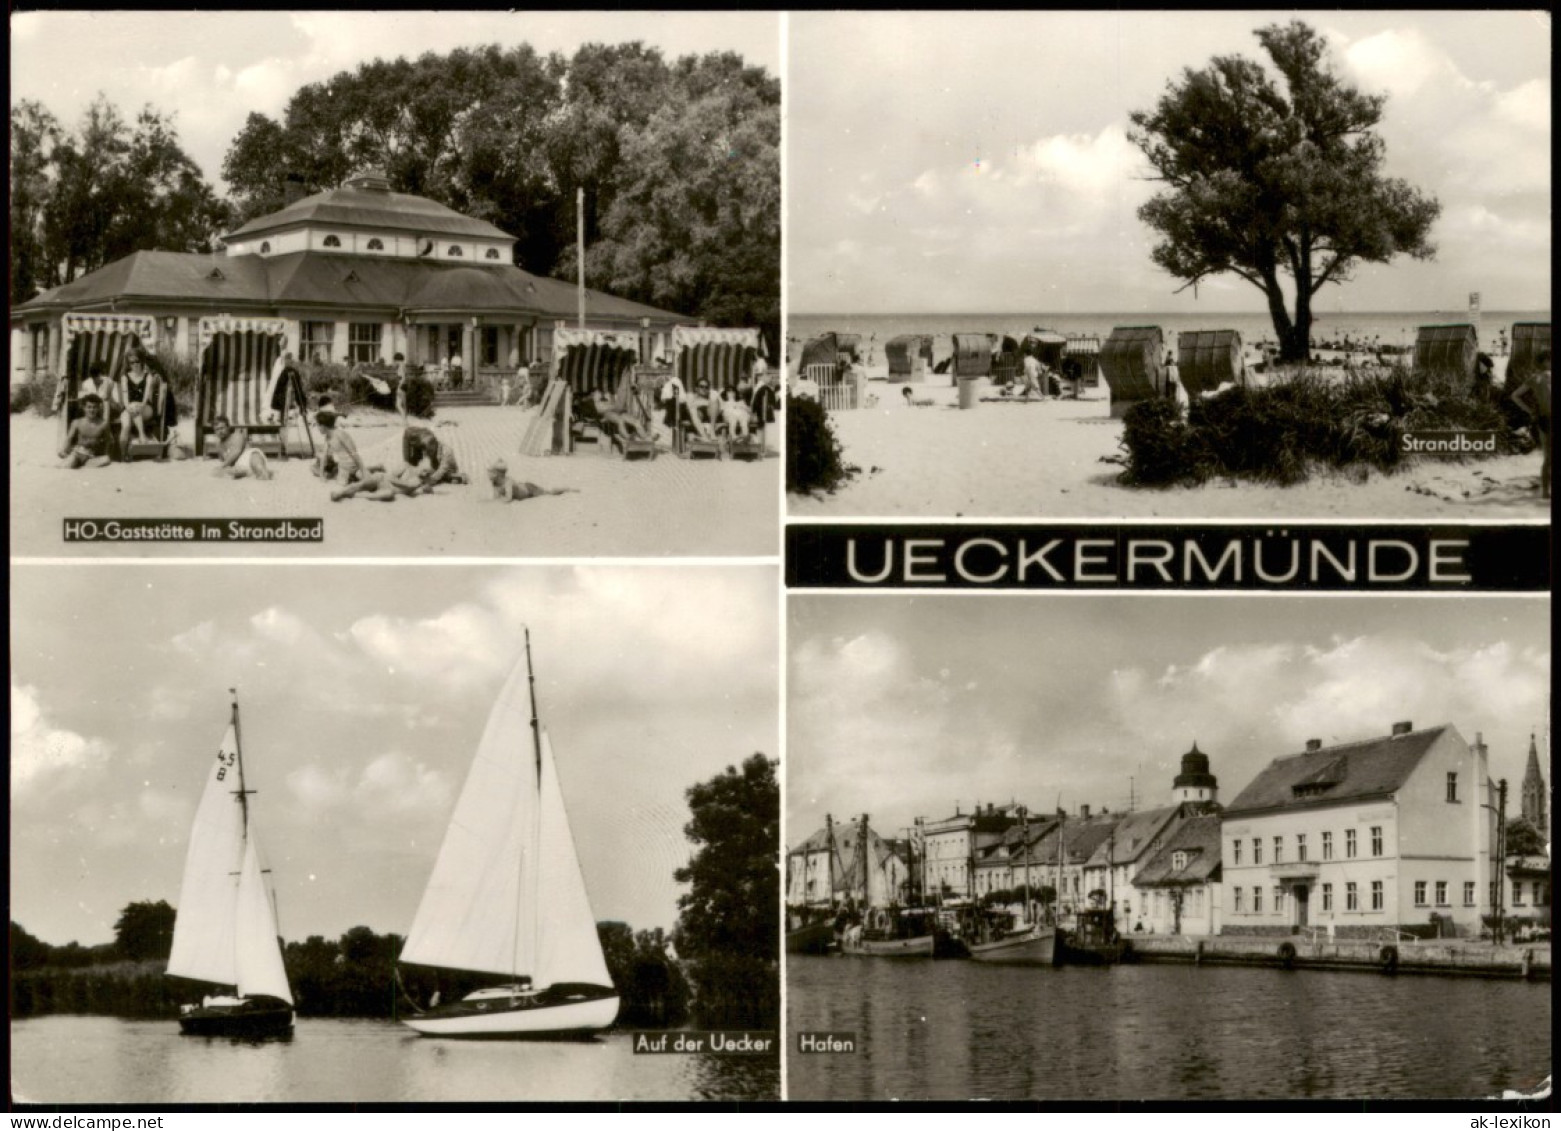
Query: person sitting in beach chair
{"x": 735, "y": 414}
{"x": 238, "y": 459}
{"x": 508, "y": 490}
{"x": 1533, "y": 397}
{"x": 1034, "y": 379}
{"x": 614, "y": 422}
{"x": 140, "y": 401}
{"x": 87, "y": 438}
{"x": 702, "y": 411}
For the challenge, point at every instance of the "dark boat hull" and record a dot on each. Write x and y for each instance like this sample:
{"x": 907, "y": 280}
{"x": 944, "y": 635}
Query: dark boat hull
{"x": 250, "y": 1020}
{"x": 815, "y": 938}
{"x": 1071, "y": 953}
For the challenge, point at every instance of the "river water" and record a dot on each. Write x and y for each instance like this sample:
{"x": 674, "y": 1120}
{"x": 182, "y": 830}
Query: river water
{"x": 947, "y": 1030}
{"x": 78, "y": 1059}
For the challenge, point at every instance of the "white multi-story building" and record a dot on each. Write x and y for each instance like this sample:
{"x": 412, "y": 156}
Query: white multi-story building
{"x": 1353, "y": 838}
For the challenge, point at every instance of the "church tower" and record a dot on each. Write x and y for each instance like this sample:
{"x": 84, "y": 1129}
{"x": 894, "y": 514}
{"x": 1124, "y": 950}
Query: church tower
{"x": 1195, "y": 783}
{"x": 1534, "y": 811}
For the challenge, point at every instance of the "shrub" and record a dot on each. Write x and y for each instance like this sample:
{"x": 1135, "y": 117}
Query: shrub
{"x": 37, "y": 393}
{"x": 1349, "y": 420}
{"x": 360, "y": 391}
{"x": 420, "y": 396}
{"x": 183, "y": 376}
{"x": 21, "y": 397}
{"x": 813, "y": 455}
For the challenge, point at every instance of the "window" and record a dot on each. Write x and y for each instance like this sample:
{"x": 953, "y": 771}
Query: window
{"x": 1452, "y": 786}
{"x": 1279, "y": 901}
{"x": 1327, "y": 897}
{"x": 1327, "y": 846}
{"x": 455, "y": 251}
{"x": 1351, "y": 897}
{"x": 363, "y": 343}
{"x": 1178, "y": 860}
{"x": 376, "y": 244}
{"x": 491, "y": 253}
{"x": 1279, "y": 848}
{"x": 489, "y": 349}
{"x": 1257, "y": 850}
{"x": 1235, "y": 851}
{"x": 1300, "y": 847}
{"x": 1376, "y": 895}
{"x": 1517, "y": 893}
{"x": 314, "y": 340}
{"x": 1349, "y": 844}
{"x": 265, "y": 247}
{"x": 1376, "y": 840}
{"x": 1238, "y": 901}
{"x": 1468, "y": 893}
{"x": 332, "y": 241}
{"x": 1419, "y": 893}
{"x": 1441, "y": 893}
{"x": 1257, "y": 901}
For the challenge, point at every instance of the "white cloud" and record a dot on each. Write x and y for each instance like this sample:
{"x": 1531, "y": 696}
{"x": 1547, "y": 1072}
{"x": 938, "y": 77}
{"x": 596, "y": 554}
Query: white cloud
{"x": 43, "y": 754}
{"x": 392, "y": 785}
{"x": 279, "y": 626}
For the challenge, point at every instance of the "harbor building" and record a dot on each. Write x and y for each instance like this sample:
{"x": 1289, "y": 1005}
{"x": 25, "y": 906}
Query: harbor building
{"x": 1391, "y": 831}
{"x": 357, "y": 274}
{"x": 1178, "y": 888}
{"x": 1014, "y": 862}
{"x": 848, "y": 863}
{"x": 951, "y": 845}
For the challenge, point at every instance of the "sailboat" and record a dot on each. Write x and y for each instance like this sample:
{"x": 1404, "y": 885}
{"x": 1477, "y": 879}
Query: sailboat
{"x": 1021, "y": 943}
{"x": 507, "y": 898}
{"x": 225, "y": 931}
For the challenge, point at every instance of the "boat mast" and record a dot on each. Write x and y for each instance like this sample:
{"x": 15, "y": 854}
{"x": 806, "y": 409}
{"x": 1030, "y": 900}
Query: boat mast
{"x": 536, "y": 825}
{"x": 829, "y": 858}
{"x": 862, "y": 855}
{"x": 238, "y": 756}
{"x": 1024, "y": 837}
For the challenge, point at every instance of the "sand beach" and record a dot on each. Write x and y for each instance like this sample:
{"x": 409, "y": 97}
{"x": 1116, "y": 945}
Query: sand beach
{"x": 1050, "y": 459}
{"x": 644, "y": 508}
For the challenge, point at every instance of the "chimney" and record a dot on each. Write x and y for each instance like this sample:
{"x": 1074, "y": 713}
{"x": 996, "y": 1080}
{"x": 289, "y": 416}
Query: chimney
{"x": 1314, "y": 744}
{"x": 1084, "y": 811}
{"x": 1402, "y": 728}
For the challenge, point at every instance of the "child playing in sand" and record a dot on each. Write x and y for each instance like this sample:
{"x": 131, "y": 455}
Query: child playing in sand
{"x": 341, "y": 451}
{"x": 238, "y": 458}
{"x": 911, "y": 401}
{"x": 507, "y": 490}
{"x": 429, "y": 462}
{"x": 86, "y": 440}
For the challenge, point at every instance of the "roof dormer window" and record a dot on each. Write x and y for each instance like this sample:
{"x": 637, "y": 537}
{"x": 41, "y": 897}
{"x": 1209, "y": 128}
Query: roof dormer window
{"x": 376, "y": 245}
{"x": 455, "y": 251}
{"x": 265, "y": 248}
{"x": 492, "y": 253}
{"x": 216, "y": 275}
{"x": 332, "y": 241}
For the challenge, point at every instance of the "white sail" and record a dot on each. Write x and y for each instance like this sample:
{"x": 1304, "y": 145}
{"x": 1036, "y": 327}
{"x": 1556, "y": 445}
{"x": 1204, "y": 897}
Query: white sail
{"x": 568, "y": 949}
{"x": 476, "y": 914}
{"x": 204, "y": 928}
{"x": 258, "y": 958}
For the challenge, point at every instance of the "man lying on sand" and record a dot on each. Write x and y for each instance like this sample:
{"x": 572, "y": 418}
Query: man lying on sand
{"x": 238, "y": 458}
{"x": 86, "y": 440}
{"x": 911, "y": 401}
{"x": 507, "y": 490}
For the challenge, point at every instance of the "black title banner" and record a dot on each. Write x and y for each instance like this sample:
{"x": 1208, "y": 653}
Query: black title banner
{"x": 1281, "y": 556}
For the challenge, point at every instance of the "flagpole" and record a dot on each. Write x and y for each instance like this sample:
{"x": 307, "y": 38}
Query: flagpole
{"x": 580, "y": 251}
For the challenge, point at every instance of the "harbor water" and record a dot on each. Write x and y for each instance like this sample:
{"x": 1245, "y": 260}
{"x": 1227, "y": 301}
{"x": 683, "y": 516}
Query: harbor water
{"x": 79, "y": 1059}
{"x": 930, "y": 1030}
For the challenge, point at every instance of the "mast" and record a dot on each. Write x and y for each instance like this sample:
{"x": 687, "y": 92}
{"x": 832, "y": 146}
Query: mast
{"x": 536, "y": 825}
{"x": 829, "y": 857}
{"x": 1024, "y": 838}
{"x": 862, "y": 855}
{"x": 238, "y": 751}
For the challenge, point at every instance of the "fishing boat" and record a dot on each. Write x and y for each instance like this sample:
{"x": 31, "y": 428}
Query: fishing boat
{"x": 1031, "y": 944}
{"x": 811, "y": 929}
{"x": 507, "y": 898}
{"x": 225, "y": 931}
{"x": 893, "y": 932}
{"x": 1093, "y": 941}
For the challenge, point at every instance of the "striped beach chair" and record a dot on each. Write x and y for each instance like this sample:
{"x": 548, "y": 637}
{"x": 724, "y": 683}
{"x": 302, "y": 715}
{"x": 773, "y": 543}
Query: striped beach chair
{"x": 584, "y": 361}
{"x": 721, "y": 358}
{"x": 241, "y": 380}
{"x": 89, "y": 339}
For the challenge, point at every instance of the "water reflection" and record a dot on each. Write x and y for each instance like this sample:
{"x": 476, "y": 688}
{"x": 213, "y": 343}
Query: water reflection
{"x": 100, "y": 1059}
{"x": 943, "y": 1030}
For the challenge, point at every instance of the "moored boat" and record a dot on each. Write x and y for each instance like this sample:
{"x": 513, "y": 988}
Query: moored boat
{"x": 507, "y": 897}
{"x": 811, "y": 938}
{"x": 1034, "y": 945}
{"x": 225, "y": 930}
{"x": 1094, "y": 941}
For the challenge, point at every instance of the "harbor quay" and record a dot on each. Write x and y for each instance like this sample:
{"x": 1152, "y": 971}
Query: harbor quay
{"x": 1531, "y": 962}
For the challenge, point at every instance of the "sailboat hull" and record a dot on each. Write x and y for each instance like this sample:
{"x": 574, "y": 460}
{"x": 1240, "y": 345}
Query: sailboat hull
{"x": 1034, "y": 947}
{"x": 251, "y": 1018}
{"x": 557, "y": 1013}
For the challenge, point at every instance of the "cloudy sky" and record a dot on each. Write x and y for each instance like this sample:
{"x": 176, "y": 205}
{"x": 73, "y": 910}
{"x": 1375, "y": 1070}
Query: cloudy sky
{"x": 902, "y": 706}
{"x": 212, "y": 69}
{"x": 978, "y": 162}
{"x": 364, "y": 691}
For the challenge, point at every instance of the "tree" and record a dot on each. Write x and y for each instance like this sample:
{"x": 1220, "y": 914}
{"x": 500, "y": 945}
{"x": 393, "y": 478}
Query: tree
{"x": 144, "y": 930}
{"x": 728, "y": 926}
{"x": 35, "y": 133}
{"x": 1267, "y": 183}
{"x": 1523, "y": 839}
